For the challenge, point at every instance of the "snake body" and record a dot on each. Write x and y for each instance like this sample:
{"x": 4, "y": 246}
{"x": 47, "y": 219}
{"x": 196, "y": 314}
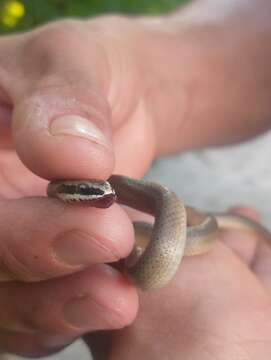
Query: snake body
{"x": 178, "y": 229}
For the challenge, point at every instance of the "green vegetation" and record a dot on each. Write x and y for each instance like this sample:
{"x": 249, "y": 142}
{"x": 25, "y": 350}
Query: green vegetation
{"x": 17, "y": 15}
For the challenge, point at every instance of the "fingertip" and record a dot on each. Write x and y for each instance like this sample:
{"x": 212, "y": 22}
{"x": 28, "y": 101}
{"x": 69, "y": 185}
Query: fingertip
{"x": 107, "y": 295}
{"x": 63, "y": 136}
{"x": 117, "y": 227}
{"x": 123, "y": 301}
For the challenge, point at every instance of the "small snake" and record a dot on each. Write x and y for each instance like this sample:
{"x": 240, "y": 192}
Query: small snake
{"x": 178, "y": 229}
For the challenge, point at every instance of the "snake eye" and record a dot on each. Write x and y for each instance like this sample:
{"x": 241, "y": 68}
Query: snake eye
{"x": 82, "y": 188}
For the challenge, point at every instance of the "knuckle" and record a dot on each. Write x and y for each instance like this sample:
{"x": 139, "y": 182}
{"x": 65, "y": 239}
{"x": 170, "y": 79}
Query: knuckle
{"x": 25, "y": 251}
{"x": 60, "y": 32}
{"x": 43, "y": 319}
{"x": 49, "y": 43}
{"x": 108, "y": 23}
{"x": 16, "y": 266}
{"x": 12, "y": 265}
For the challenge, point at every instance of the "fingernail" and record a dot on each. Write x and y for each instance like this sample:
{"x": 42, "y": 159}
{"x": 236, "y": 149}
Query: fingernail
{"x": 79, "y": 313}
{"x": 97, "y": 311}
{"x": 55, "y": 341}
{"x": 79, "y": 248}
{"x": 83, "y": 312}
{"x": 78, "y": 126}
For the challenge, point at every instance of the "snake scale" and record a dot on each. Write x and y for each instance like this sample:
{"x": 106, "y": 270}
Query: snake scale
{"x": 178, "y": 230}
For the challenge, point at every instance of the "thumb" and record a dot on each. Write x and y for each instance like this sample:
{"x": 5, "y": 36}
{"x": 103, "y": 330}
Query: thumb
{"x": 61, "y": 119}
{"x": 64, "y": 131}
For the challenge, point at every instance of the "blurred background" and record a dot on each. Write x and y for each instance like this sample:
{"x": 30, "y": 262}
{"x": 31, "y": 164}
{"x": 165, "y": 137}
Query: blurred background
{"x": 17, "y": 15}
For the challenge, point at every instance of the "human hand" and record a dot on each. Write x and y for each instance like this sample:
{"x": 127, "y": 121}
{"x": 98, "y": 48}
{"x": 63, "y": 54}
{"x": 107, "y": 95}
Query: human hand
{"x": 50, "y": 80}
{"x": 113, "y": 72}
{"x": 216, "y": 307}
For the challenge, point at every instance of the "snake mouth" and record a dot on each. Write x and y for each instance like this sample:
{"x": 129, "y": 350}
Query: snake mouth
{"x": 102, "y": 202}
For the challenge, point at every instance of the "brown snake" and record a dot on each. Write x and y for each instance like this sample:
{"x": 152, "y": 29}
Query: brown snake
{"x": 178, "y": 230}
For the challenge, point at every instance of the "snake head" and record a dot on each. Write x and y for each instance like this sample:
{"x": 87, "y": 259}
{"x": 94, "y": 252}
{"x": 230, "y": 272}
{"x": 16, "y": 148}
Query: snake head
{"x": 95, "y": 193}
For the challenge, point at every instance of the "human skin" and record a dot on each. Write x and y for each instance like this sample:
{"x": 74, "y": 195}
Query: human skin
{"x": 156, "y": 86}
{"x": 216, "y": 307}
